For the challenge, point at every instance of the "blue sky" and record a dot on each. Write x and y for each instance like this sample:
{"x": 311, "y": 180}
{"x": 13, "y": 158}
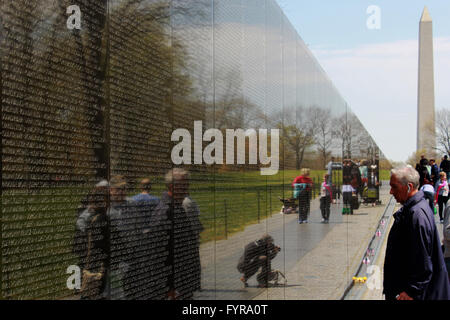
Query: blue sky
{"x": 376, "y": 70}
{"x": 342, "y": 23}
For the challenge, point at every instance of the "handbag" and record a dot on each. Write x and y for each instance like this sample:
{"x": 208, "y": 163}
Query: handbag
{"x": 355, "y": 202}
{"x": 91, "y": 282}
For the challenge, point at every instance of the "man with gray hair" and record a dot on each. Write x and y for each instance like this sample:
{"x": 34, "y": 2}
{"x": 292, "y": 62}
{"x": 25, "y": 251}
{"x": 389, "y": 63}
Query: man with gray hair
{"x": 414, "y": 267}
{"x": 178, "y": 274}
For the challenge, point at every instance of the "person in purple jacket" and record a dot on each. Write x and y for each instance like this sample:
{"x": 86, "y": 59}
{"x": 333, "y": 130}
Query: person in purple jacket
{"x": 414, "y": 267}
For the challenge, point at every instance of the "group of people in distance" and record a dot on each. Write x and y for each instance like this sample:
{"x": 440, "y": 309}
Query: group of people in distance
{"x": 352, "y": 182}
{"x": 434, "y": 183}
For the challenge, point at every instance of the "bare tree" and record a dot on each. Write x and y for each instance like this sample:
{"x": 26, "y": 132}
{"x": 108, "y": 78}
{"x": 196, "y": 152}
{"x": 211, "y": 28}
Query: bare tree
{"x": 324, "y": 132}
{"x": 298, "y": 130}
{"x": 352, "y": 135}
{"x": 443, "y": 131}
{"x": 231, "y": 108}
{"x": 342, "y": 131}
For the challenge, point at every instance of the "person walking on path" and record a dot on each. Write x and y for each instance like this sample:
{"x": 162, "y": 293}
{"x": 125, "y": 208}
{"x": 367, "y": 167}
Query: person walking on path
{"x": 434, "y": 171}
{"x": 441, "y": 197}
{"x": 428, "y": 191}
{"x": 347, "y": 189}
{"x": 424, "y": 174}
{"x": 445, "y": 166}
{"x": 326, "y": 197}
{"x": 414, "y": 267}
{"x": 302, "y": 191}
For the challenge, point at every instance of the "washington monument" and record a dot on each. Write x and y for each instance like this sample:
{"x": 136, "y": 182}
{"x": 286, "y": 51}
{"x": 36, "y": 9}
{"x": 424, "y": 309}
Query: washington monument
{"x": 426, "y": 133}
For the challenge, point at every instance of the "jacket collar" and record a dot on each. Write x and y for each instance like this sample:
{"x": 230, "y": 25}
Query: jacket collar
{"x": 415, "y": 199}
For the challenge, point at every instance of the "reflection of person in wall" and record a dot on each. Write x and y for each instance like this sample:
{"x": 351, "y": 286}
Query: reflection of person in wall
{"x": 326, "y": 197}
{"x": 136, "y": 221}
{"x": 180, "y": 252}
{"x": 84, "y": 215}
{"x": 364, "y": 171}
{"x": 302, "y": 191}
{"x": 118, "y": 212}
{"x": 258, "y": 254}
{"x": 97, "y": 249}
{"x": 347, "y": 188}
{"x": 144, "y": 197}
{"x": 193, "y": 212}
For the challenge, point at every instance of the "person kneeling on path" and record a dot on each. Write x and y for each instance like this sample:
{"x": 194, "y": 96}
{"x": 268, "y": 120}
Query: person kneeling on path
{"x": 258, "y": 254}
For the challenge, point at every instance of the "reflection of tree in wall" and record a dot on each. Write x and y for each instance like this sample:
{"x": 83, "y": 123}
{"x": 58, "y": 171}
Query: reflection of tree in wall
{"x": 354, "y": 139}
{"x": 141, "y": 69}
{"x": 361, "y": 139}
{"x": 51, "y": 114}
{"x": 343, "y": 131}
{"x": 47, "y": 69}
{"x": 297, "y": 131}
{"x": 231, "y": 109}
{"x": 324, "y": 133}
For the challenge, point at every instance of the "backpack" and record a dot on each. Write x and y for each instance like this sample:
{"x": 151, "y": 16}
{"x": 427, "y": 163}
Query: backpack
{"x": 299, "y": 189}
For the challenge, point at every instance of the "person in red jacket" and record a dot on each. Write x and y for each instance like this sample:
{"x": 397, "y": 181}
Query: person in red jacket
{"x": 302, "y": 191}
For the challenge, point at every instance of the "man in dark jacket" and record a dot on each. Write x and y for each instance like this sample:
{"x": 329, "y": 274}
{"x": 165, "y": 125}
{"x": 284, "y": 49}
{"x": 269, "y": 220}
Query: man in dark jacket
{"x": 178, "y": 263}
{"x": 258, "y": 254}
{"x": 434, "y": 171}
{"x": 414, "y": 267}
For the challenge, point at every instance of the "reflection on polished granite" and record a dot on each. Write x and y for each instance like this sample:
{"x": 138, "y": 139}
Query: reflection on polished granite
{"x": 317, "y": 259}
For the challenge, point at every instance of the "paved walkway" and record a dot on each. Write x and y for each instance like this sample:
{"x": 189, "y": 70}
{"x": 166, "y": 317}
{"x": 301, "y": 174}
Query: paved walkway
{"x": 317, "y": 259}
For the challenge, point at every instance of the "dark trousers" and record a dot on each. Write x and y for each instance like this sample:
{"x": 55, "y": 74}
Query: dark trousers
{"x": 304, "y": 206}
{"x": 347, "y": 199}
{"x": 442, "y": 202}
{"x": 430, "y": 197}
{"x": 325, "y": 203}
{"x": 252, "y": 268}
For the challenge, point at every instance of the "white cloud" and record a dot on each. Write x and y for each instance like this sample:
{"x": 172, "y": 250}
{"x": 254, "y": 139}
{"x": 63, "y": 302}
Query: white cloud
{"x": 379, "y": 81}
